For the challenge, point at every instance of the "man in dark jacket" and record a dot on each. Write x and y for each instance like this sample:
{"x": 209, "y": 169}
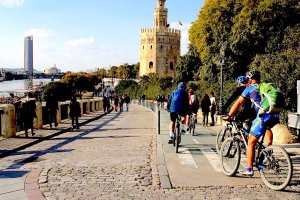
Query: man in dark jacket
{"x": 52, "y": 107}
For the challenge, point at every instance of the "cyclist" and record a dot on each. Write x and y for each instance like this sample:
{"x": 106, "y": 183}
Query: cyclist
{"x": 177, "y": 105}
{"x": 246, "y": 112}
{"x": 193, "y": 107}
{"x": 262, "y": 123}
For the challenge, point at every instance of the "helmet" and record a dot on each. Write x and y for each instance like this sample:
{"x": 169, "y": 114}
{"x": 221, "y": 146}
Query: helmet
{"x": 242, "y": 80}
{"x": 182, "y": 85}
{"x": 191, "y": 91}
{"x": 253, "y": 75}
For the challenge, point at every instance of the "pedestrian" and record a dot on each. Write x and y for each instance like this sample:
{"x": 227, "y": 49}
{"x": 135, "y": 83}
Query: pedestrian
{"x": 52, "y": 107}
{"x": 121, "y": 102}
{"x": 29, "y": 106}
{"x": 116, "y": 102}
{"x": 74, "y": 112}
{"x": 106, "y": 104}
{"x": 213, "y": 108}
{"x": 126, "y": 101}
{"x": 205, "y": 105}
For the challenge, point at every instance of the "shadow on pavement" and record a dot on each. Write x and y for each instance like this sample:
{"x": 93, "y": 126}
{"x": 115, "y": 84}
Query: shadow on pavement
{"x": 56, "y": 148}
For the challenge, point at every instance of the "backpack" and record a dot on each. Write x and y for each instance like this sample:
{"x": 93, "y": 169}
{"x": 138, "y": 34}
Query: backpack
{"x": 196, "y": 103}
{"x": 272, "y": 100}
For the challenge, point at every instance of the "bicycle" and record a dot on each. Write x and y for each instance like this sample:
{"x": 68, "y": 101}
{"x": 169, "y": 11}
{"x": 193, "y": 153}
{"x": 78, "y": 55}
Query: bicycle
{"x": 177, "y": 133}
{"x": 192, "y": 123}
{"x": 273, "y": 162}
{"x": 226, "y": 132}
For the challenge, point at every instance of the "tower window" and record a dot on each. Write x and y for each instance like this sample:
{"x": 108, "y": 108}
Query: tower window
{"x": 151, "y": 64}
{"x": 151, "y": 47}
{"x": 143, "y": 47}
{"x": 171, "y": 66}
{"x": 161, "y": 47}
{"x": 171, "y": 47}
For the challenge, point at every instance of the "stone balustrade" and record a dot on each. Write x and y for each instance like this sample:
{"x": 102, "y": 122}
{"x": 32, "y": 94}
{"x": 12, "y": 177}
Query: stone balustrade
{"x": 8, "y": 126}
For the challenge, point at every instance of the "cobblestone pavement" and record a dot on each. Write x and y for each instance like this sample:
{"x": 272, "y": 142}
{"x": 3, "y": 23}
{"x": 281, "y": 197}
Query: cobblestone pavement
{"x": 115, "y": 158}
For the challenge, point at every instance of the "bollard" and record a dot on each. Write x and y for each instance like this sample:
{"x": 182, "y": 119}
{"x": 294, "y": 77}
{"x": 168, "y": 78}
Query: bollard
{"x": 158, "y": 121}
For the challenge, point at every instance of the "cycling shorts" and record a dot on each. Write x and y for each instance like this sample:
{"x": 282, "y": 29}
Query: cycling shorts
{"x": 173, "y": 115}
{"x": 263, "y": 123}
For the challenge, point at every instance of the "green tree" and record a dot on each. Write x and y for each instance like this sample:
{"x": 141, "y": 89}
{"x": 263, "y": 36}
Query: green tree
{"x": 188, "y": 65}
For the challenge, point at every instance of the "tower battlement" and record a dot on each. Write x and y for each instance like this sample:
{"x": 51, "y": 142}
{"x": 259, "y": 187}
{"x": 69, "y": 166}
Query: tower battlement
{"x": 165, "y": 30}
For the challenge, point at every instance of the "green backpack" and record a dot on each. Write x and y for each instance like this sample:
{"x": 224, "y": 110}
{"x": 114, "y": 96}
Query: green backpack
{"x": 272, "y": 100}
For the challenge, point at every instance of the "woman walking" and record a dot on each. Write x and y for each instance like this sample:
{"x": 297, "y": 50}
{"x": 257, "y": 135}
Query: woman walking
{"x": 205, "y": 104}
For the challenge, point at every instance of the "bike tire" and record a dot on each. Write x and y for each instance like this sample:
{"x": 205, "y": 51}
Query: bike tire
{"x": 177, "y": 140}
{"x": 194, "y": 126}
{"x": 221, "y": 137}
{"x": 230, "y": 155}
{"x": 278, "y": 172}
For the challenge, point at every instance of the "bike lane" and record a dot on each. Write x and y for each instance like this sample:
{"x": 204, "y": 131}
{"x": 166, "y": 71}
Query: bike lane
{"x": 197, "y": 162}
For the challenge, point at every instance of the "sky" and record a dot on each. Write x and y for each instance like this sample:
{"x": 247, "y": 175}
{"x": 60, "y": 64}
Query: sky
{"x": 79, "y": 35}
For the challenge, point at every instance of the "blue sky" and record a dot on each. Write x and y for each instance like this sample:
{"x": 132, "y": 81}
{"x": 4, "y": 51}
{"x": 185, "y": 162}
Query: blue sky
{"x": 78, "y": 35}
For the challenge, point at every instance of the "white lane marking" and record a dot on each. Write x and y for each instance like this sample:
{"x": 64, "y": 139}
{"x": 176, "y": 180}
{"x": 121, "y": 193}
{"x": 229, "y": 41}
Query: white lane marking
{"x": 211, "y": 156}
{"x": 186, "y": 158}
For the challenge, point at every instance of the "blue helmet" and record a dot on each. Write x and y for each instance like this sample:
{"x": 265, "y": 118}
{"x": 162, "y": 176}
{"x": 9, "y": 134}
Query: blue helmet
{"x": 242, "y": 80}
{"x": 182, "y": 85}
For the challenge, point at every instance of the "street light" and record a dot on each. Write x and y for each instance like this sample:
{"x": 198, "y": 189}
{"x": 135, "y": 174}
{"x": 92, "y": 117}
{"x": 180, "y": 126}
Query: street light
{"x": 222, "y": 64}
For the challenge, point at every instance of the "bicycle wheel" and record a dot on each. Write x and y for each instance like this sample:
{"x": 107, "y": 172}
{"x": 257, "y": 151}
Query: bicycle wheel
{"x": 230, "y": 154}
{"x": 221, "y": 137}
{"x": 277, "y": 171}
{"x": 177, "y": 140}
{"x": 193, "y": 127}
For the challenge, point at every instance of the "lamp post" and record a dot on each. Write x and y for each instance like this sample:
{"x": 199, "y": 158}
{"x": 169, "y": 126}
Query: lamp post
{"x": 222, "y": 64}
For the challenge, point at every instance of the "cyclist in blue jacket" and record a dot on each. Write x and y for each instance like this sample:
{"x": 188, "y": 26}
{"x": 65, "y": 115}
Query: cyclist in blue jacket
{"x": 178, "y": 104}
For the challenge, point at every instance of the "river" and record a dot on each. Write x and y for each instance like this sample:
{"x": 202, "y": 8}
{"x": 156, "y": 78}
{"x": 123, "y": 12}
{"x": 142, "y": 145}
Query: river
{"x": 20, "y": 86}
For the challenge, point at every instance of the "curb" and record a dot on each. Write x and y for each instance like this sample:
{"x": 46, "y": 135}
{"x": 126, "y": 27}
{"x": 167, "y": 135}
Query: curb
{"x": 161, "y": 164}
{"x": 31, "y": 186}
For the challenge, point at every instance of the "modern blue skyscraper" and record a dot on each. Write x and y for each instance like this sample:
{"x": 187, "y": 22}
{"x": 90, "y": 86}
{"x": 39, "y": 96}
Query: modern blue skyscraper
{"x": 28, "y": 54}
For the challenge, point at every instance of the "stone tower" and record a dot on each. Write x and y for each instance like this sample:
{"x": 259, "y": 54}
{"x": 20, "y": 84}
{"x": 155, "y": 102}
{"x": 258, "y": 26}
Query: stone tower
{"x": 160, "y": 45}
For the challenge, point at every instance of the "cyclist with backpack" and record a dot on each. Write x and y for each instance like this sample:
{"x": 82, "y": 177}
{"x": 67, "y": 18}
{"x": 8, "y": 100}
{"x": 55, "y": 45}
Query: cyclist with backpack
{"x": 263, "y": 122}
{"x": 193, "y": 107}
{"x": 178, "y": 103}
{"x": 246, "y": 112}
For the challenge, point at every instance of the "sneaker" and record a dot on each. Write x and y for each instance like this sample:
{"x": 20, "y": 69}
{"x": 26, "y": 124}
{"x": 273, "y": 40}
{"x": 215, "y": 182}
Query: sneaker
{"x": 247, "y": 172}
{"x": 187, "y": 129}
{"x": 170, "y": 140}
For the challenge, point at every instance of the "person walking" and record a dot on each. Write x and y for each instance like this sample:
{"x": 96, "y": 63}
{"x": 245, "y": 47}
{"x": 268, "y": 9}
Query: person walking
{"x": 121, "y": 102}
{"x": 126, "y": 101}
{"x": 205, "y": 105}
{"x": 106, "y": 104}
{"x": 52, "y": 107}
{"x": 116, "y": 102}
{"x": 74, "y": 112}
{"x": 29, "y": 106}
{"x": 213, "y": 108}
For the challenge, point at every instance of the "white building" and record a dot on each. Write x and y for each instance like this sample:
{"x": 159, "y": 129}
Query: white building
{"x": 52, "y": 70}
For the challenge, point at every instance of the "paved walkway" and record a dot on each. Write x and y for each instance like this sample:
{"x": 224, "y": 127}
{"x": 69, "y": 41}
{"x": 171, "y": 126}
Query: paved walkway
{"x": 117, "y": 156}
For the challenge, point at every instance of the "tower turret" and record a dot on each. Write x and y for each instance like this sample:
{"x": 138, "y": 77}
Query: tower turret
{"x": 160, "y": 15}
